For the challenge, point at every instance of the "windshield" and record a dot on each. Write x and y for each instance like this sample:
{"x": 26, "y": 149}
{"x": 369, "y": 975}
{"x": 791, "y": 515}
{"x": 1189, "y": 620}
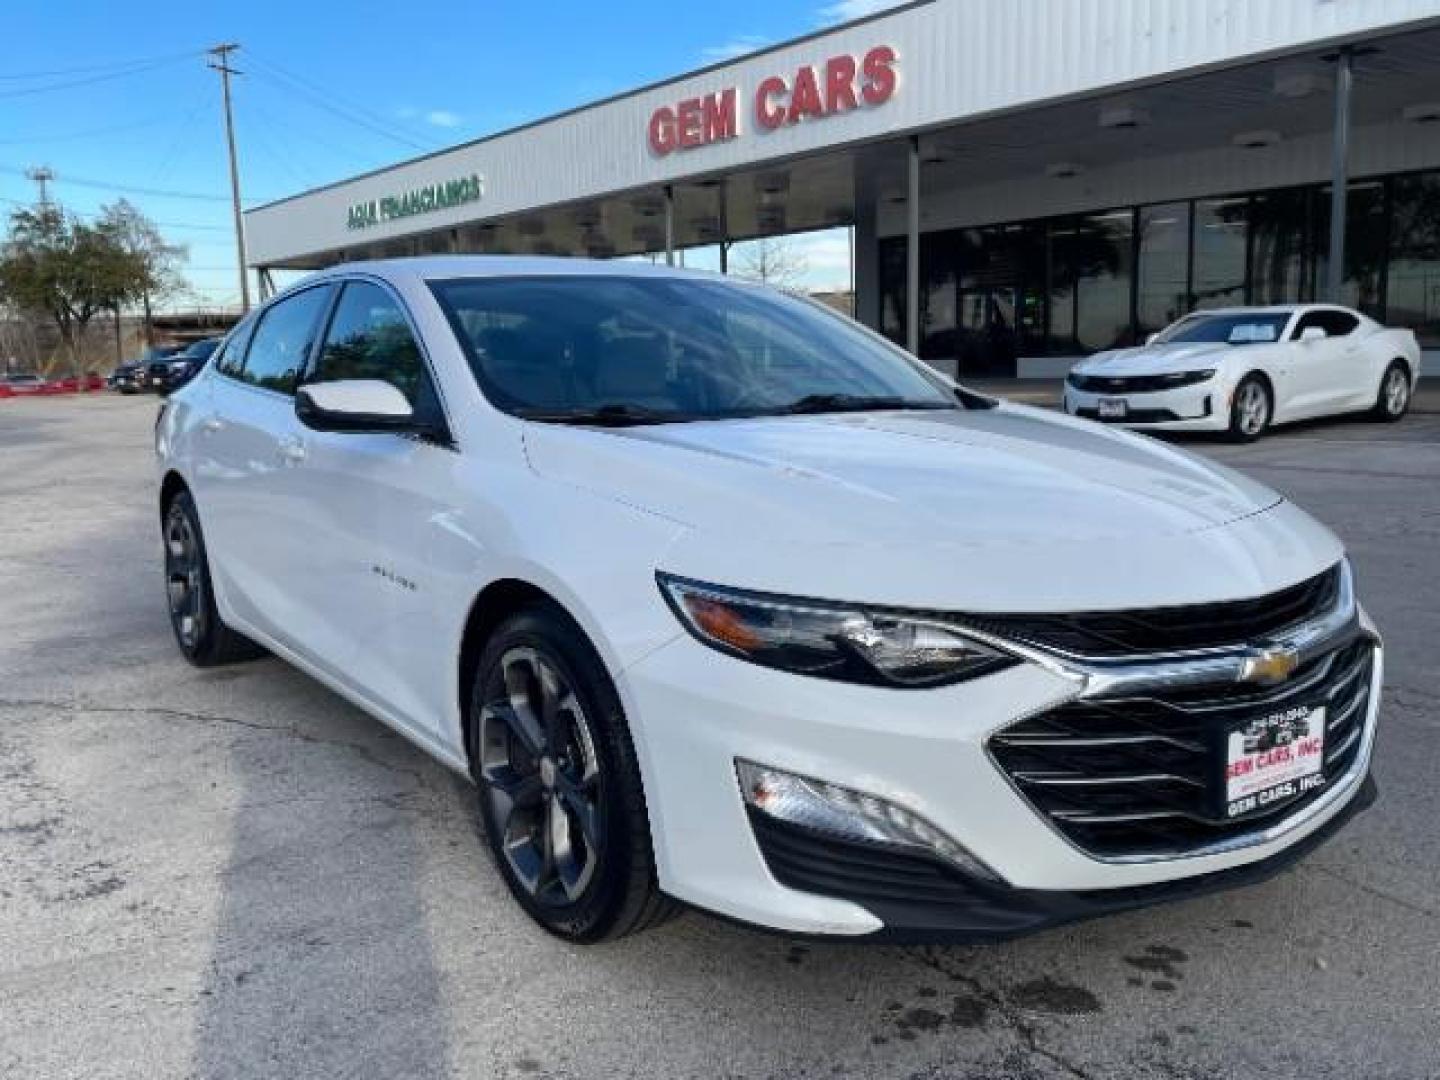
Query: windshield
{"x": 590, "y": 349}
{"x": 1233, "y": 328}
{"x": 201, "y": 350}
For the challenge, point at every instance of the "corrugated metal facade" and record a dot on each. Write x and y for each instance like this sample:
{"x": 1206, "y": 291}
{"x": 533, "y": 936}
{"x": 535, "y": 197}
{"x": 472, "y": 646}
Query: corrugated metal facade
{"x": 958, "y": 59}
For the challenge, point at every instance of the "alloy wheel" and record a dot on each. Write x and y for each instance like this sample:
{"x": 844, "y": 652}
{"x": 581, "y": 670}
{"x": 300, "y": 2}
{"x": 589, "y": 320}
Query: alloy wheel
{"x": 184, "y": 577}
{"x": 1397, "y": 392}
{"x": 1252, "y": 408}
{"x": 542, "y": 778}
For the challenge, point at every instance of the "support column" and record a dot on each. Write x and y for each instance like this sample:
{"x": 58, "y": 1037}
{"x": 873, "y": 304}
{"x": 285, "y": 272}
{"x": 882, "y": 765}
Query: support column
{"x": 724, "y": 216}
{"x": 669, "y": 225}
{"x": 868, "y": 164}
{"x": 912, "y": 249}
{"x": 1339, "y": 174}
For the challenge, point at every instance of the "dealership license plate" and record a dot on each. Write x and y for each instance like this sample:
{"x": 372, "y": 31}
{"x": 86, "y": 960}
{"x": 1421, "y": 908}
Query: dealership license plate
{"x": 1274, "y": 758}
{"x": 1113, "y": 408}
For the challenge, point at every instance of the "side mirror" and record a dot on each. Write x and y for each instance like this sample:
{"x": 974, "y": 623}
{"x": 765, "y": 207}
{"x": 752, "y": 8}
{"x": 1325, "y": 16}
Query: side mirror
{"x": 1311, "y": 334}
{"x": 354, "y": 405}
{"x": 1151, "y": 338}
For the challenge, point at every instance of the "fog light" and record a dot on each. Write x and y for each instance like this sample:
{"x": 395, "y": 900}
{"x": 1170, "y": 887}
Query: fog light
{"x": 852, "y": 815}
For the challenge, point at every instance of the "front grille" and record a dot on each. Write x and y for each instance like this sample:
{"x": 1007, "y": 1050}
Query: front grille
{"x": 1161, "y": 631}
{"x": 1130, "y": 384}
{"x": 1141, "y": 776}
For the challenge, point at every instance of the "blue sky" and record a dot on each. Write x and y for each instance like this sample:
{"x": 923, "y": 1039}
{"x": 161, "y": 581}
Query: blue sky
{"x": 118, "y": 96}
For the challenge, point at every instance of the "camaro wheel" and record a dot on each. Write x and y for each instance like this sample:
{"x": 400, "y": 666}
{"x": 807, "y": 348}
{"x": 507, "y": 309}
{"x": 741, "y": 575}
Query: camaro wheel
{"x": 199, "y": 631}
{"x": 1250, "y": 409}
{"x": 559, "y": 785}
{"x": 1394, "y": 398}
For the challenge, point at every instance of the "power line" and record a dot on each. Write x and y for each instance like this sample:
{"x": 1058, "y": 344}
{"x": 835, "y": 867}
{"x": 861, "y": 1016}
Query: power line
{"x": 108, "y": 66}
{"x": 93, "y": 215}
{"x": 103, "y": 185}
{"x": 352, "y": 114}
{"x": 184, "y": 136}
{"x": 90, "y": 134}
{"x": 29, "y": 91}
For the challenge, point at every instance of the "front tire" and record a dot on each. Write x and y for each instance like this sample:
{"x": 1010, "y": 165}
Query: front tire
{"x": 1392, "y": 401}
{"x": 202, "y": 635}
{"x": 1251, "y": 408}
{"x": 559, "y": 784}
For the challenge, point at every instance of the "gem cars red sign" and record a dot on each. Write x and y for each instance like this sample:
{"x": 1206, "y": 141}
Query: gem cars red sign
{"x": 813, "y": 92}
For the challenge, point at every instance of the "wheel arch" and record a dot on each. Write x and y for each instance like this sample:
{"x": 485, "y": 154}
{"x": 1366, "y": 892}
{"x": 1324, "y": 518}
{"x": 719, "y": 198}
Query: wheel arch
{"x": 172, "y": 484}
{"x": 495, "y": 603}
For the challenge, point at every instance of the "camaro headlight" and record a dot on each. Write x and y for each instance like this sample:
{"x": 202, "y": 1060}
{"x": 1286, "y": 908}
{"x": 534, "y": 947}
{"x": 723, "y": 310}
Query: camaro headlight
{"x": 1188, "y": 378}
{"x": 830, "y": 641}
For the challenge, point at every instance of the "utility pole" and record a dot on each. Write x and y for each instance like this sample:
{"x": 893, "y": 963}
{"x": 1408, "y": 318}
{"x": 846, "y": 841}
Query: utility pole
{"x": 42, "y": 175}
{"x": 221, "y": 53}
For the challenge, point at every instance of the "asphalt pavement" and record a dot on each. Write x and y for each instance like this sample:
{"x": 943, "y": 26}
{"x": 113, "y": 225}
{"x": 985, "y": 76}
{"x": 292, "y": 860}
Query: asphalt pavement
{"x": 234, "y": 873}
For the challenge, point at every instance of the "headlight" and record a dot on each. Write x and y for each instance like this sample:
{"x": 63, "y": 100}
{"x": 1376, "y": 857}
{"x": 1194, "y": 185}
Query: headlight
{"x": 830, "y": 641}
{"x": 1188, "y": 378}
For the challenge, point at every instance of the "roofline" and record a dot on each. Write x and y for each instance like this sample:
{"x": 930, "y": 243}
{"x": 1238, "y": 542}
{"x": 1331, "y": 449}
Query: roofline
{"x": 602, "y": 102}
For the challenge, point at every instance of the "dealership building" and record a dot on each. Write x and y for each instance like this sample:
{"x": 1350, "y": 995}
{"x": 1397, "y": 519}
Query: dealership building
{"x": 1027, "y": 181}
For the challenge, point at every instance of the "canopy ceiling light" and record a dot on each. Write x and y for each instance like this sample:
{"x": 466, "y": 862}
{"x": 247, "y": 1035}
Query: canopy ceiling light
{"x": 1256, "y": 140}
{"x": 776, "y": 183}
{"x": 1121, "y": 117}
{"x": 1298, "y": 82}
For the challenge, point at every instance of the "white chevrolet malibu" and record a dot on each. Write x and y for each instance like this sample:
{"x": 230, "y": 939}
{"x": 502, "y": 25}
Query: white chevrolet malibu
{"x": 721, "y": 599}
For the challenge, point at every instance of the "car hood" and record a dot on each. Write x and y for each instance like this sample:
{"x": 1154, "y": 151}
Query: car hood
{"x": 1157, "y": 359}
{"x": 995, "y": 477}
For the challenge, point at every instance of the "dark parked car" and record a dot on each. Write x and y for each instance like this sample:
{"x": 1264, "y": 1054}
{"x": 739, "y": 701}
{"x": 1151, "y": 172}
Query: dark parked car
{"x": 174, "y": 371}
{"x": 128, "y": 378}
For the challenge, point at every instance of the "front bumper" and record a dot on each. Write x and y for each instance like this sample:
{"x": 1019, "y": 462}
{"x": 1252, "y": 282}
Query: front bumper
{"x": 1201, "y": 407}
{"x": 695, "y": 711}
{"x": 920, "y": 899}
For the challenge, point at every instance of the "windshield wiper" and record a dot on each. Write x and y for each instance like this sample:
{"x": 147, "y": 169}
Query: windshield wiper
{"x": 824, "y": 403}
{"x": 615, "y": 414}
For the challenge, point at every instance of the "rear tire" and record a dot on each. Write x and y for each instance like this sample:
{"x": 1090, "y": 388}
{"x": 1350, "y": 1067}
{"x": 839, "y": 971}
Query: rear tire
{"x": 202, "y": 635}
{"x": 1392, "y": 401}
{"x": 559, "y": 784}
{"x": 1251, "y": 408}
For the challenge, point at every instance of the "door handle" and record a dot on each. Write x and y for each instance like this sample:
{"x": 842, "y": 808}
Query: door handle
{"x": 292, "y": 449}
{"x": 212, "y": 424}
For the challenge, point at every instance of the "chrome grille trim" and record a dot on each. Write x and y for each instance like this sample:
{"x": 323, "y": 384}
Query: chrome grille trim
{"x": 1318, "y": 644}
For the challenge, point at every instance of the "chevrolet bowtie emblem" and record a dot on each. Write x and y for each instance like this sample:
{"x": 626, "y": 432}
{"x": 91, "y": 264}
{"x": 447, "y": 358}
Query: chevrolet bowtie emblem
{"x": 1269, "y": 665}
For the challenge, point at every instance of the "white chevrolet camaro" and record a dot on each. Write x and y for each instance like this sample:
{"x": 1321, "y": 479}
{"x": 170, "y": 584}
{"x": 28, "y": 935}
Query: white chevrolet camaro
{"x": 722, "y": 599}
{"x": 1239, "y": 370}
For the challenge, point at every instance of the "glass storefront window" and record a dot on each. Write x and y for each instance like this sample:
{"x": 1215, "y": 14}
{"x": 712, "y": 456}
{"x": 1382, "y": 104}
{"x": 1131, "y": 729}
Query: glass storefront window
{"x": 1061, "y": 299}
{"x": 1218, "y": 273}
{"x": 937, "y": 300}
{"x": 1364, "y": 244}
{"x": 1064, "y": 285}
{"x": 1102, "y": 262}
{"x": 1162, "y": 274}
{"x": 1282, "y": 263}
{"x": 1412, "y": 288}
{"x": 892, "y": 289}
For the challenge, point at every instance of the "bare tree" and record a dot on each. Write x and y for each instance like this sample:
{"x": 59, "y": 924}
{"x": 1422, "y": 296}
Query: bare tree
{"x": 55, "y": 265}
{"x": 773, "y": 260}
{"x": 159, "y": 261}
